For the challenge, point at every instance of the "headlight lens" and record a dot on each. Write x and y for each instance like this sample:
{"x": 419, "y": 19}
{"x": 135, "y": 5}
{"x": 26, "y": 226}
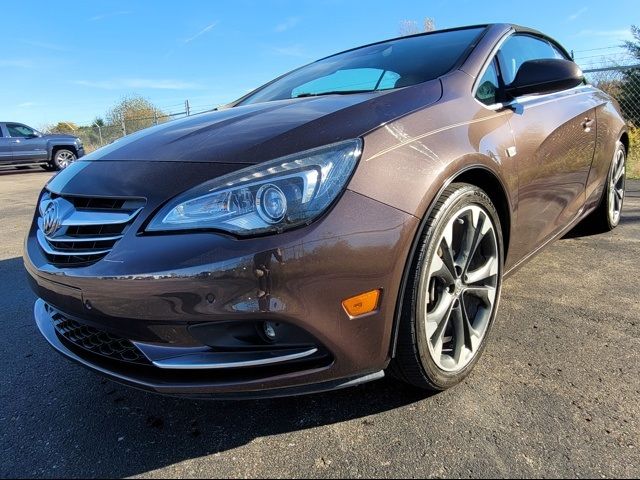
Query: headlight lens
{"x": 269, "y": 197}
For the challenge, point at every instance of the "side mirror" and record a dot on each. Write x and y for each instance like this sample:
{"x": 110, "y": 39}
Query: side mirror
{"x": 34, "y": 135}
{"x": 545, "y": 76}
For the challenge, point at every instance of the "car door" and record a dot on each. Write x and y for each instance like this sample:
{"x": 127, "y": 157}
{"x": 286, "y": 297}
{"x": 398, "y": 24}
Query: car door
{"x": 6, "y": 150}
{"x": 555, "y": 137}
{"x": 28, "y": 145}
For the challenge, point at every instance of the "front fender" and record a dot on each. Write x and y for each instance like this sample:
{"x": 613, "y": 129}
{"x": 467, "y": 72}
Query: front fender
{"x": 406, "y": 162}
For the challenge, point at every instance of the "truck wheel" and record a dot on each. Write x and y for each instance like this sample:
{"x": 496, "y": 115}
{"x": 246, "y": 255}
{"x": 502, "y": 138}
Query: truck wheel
{"x": 63, "y": 158}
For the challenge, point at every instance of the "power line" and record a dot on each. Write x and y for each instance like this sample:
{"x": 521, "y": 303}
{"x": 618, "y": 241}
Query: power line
{"x": 601, "y": 48}
{"x": 617, "y": 55}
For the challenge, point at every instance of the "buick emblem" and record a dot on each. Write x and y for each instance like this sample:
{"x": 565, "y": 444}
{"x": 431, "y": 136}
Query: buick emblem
{"x": 51, "y": 219}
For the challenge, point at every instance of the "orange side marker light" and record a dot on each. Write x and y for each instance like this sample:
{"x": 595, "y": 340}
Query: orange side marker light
{"x": 361, "y": 304}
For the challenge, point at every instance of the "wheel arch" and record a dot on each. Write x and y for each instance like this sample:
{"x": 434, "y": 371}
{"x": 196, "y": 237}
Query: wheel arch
{"x": 489, "y": 182}
{"x": 56, "y": 148}
{"x": 624, "y": 138}
{"x": 477, "y": 174}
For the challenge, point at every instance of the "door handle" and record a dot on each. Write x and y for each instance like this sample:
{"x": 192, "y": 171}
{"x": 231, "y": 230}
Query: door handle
{"x": 587, "y": 124}
{"x": 15, "y": 141}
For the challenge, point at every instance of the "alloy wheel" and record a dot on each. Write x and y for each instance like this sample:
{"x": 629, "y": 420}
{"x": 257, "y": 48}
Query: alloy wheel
{"x": 459, "y": 288}
{"x": 616, "y": 187}
{"x": 64, "y": 158}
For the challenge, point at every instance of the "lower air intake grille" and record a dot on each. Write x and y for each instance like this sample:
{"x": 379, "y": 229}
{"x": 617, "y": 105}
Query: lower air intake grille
{"x": 97, "y": 341}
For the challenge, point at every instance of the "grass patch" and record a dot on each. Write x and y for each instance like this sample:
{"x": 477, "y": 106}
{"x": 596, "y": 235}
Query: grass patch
{"x": 633, "y": 159}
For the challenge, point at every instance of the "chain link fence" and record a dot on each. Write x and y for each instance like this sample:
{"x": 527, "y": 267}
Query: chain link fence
{"x": 100, "y": 134}
{"x": 623, "y": 84}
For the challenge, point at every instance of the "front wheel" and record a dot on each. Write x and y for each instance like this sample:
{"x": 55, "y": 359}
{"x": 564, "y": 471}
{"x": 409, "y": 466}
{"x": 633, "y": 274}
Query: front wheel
{"x": 452, "y": 294}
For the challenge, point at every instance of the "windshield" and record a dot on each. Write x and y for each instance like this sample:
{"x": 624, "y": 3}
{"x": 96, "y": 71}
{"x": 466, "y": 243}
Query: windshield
{"x": 383, "y": 66}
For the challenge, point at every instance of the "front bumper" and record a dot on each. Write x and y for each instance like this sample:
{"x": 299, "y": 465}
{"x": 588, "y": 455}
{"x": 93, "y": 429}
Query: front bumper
{"x": 195, "y": 388}
{"x": 298, "y": 278}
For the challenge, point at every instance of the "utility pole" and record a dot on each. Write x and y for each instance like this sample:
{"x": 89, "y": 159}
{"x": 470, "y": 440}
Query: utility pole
{"x": 186, "y": 107}
{"x": 99, "y": 134}
{"x": 124, "y": 126}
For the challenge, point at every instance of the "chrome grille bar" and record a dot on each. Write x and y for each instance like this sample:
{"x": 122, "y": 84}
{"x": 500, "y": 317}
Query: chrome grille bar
{"x": 82, "y": 218}
{"x": 49, "y": 250}
{"x": 85, "y": 233}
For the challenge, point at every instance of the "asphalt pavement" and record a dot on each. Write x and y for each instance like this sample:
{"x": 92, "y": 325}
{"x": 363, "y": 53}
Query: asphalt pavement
{"x": 556, "y": 393}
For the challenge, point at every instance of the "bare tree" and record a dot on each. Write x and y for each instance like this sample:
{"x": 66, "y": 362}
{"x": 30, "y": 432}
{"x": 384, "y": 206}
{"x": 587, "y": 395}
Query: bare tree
{"x": 134, "y": 113}
{"x": 429, "y": 24}
{"x": 408, "y": 27}
{"x": 61, "y": 127}
{"x": 412, "y": 27}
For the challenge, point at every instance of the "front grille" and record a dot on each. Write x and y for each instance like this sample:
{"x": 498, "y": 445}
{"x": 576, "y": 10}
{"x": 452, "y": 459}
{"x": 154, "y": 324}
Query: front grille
{"x": 77, "y": 231}
{"x": 96, "y": 341}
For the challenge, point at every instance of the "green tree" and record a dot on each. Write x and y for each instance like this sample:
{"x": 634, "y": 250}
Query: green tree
{"x": 634, "y": 45}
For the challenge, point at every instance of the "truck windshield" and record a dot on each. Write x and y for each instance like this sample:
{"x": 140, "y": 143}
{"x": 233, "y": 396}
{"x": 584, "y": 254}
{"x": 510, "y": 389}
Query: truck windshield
{"x": 382, "y": 66}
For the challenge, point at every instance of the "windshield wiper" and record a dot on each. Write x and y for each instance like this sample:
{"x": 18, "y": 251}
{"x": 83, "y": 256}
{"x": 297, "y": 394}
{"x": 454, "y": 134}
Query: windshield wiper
{"x": 333, "y": 92}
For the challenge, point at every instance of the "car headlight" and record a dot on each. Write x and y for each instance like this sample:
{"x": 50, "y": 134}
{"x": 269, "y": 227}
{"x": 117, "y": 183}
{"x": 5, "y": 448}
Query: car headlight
{"x": 269, "y": 197}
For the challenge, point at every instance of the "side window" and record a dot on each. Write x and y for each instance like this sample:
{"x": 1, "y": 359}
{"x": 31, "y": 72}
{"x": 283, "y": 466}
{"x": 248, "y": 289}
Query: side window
{"x": 17, "y": 130}
{"x": 1, "y": 131}
{"x": 488, "y": 86}
{"x": 521, "y": 48}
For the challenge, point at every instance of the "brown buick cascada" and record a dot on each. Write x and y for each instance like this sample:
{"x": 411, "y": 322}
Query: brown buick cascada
{"x": 352, "y": 218}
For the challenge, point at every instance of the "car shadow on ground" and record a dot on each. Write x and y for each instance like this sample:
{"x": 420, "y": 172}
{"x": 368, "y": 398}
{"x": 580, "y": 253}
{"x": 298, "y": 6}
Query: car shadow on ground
{"x": 630, "y": 214}
{"x": 6, "y": 171}
{"x": 87, "y": 426}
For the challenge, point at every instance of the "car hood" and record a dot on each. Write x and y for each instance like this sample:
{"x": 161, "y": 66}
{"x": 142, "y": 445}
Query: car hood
{"x": 256, "y": 133}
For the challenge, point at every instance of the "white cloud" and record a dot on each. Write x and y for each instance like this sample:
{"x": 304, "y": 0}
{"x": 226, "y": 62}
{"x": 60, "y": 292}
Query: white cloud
{"x": 621, "y": 34}
{"x": 16, "y": 64}
{"x": 578, "y": 13}
{"x": 186, "y": 41}
{"x": 138, "y": 83}
{"x": 290, "y": 51}
{"x": 287, "y": 24}
{"x": 27, "y": 104}
{"x": 45, "y": 45}
{"x": 109, "y": 15}
{"x": 201, "y": 32}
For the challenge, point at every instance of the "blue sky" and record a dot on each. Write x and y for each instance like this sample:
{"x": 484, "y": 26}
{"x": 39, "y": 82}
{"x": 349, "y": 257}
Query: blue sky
{"x": 72, "y": 60}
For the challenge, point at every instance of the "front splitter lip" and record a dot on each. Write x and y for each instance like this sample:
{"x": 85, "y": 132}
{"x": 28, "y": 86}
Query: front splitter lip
{"x": 195, "y": 390}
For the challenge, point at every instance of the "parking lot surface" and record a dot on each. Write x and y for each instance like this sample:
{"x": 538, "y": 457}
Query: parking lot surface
{"x": 555, "y": 394}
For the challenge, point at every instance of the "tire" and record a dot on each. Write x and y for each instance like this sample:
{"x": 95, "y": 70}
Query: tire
{"x": 62, "y": 158}
{"x": 469, "y": 288}
{"x": 607, "y": 214}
